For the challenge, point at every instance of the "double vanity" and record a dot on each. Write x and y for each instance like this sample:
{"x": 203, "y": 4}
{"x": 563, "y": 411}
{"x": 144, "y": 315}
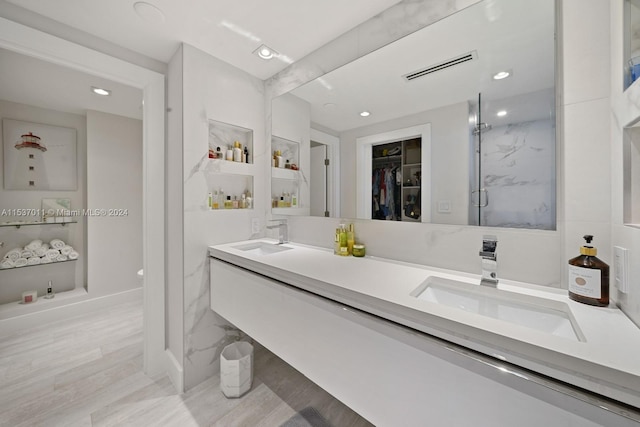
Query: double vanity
{"x": 402, "y": 343}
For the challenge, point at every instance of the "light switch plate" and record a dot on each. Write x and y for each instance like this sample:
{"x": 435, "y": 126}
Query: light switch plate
{"x": 255, "y": 225}
{"x": 621, "y": 268}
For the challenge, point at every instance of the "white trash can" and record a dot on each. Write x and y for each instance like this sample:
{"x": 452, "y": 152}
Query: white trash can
{"x": 236, "y": 369}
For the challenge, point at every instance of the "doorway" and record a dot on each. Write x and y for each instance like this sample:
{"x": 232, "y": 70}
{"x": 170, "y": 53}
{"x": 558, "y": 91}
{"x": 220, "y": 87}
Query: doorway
{"x": 32, "y": 42}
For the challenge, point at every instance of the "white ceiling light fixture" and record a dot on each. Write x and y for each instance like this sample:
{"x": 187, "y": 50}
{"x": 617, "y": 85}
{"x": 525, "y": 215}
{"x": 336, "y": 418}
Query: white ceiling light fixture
{"x": 149, "y": 12}
{"x": 265, "y": 52}
{"x": 501, "y": 75}
{"x": 100, "y": 91}
{"x": 365, "y": 114}
{"x": 501, "y": 113}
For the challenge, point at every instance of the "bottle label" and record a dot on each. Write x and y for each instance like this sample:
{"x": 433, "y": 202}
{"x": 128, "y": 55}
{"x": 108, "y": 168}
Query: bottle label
{"x": 585, "y": 281}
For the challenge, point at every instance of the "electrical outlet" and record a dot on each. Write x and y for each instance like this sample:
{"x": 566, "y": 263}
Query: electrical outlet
{"x": 621, "y": 268}
{"x": 255, "y": 226}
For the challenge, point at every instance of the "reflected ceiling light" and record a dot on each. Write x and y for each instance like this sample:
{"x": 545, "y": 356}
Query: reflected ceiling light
{"x": 100, "y": 91}
{"x": 501, "y": 75}
{"x": 265, "y": 52}
{"x": 240, "y": 31}
{"x": 329, "y": 105}
{"x": 501, "y": 113}
{"x": 149, "y": 12}
{"x": 365, "y": 114}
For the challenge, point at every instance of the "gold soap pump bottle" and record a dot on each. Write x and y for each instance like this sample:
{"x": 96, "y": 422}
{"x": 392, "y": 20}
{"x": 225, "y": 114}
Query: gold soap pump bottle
{"x": 589, "y": 277}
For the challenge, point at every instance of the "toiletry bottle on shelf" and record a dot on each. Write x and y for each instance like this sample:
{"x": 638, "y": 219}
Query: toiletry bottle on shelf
{"x": 589, "y": 277}
{"x": 221, "y": 197}
{"x": 351, "y": 238}
{"x": 344, "y": 248}
{"x": 219, "y": 153}
{"x": 294, "y": 200}
{"x": 50, "y": 293}
{"x": 279, "y": 160}
{"x": 246, "y": 154}
{"x": 235, "y": 202}
{"x": 336, "y": 242}
{"x": 249, "y": 200}
{"x": 243, "y": 201}
{"x": 229, "y": 155}
{"x": 210, "y": 200}
{"x": 237, "y": 152}
{"x": 216, "y": 201}
{"x": 228, "y": 204}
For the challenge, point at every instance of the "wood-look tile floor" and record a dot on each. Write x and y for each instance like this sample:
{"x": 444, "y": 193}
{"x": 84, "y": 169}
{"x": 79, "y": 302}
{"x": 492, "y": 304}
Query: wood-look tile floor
{"x": 87, "y": 371}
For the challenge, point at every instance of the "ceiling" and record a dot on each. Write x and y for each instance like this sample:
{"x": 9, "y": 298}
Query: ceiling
{"x": 505, "y": 34}
{"x": 31, "y": 81}
{"x": 230, "y": 30}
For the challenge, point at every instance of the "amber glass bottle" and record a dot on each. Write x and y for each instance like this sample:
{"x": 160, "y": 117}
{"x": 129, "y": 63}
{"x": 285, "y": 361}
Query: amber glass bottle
{"x": 589, "y": 277}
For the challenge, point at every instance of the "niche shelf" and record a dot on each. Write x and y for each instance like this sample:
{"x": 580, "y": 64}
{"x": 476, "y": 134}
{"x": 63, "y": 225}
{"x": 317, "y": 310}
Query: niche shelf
{"x": 18, "y": 224}
{"x": 38, "y": 265}
{"x": 232, "y": 177}
{"x": 224, "y": 135}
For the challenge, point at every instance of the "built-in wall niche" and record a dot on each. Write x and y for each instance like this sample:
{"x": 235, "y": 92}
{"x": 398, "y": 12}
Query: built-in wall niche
{"x": 235, "y": 189}
{"x": 631, "y": 180}
{"x": 289, "y": 153}
{"x": 229, "y": 142}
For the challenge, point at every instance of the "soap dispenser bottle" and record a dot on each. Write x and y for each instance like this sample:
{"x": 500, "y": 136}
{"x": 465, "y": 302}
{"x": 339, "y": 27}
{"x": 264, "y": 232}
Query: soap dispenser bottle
{"x": 589, "y": 277}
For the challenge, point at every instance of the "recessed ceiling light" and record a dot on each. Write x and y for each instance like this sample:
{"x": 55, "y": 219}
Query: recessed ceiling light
{"x": 501, "y": 113}
{"x": 100, "y": 91}
{"x": 501, "y": 75}
{"x": 265, "y": 52}
{"x": 149, "y": 12}
{"x": 365, "y": 114}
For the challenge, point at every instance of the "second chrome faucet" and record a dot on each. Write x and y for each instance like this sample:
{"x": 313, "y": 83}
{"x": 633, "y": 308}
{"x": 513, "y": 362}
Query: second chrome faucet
{"x": 283, "y": 231}
{"x": 489, "y": 256}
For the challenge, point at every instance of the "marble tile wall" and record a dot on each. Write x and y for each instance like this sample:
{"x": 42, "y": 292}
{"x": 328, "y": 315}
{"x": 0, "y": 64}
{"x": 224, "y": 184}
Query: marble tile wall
{"x": 234, "y": 97}
{"x": 624, "y": 110}
{"x": 518, "y": 168}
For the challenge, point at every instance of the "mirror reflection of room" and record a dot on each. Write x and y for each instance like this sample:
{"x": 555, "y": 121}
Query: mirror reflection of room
{"x": 490, "y": 105}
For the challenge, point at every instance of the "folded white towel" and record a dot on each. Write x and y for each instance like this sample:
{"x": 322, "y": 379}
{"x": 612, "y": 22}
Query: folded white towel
{"x": 73, "y": 255}
{"x": 35, "y": 244}
{"x": 45, "y": 260}
{"x": 41, "y": 251}
{"x": 35, "y": 260}
{"x": 57, "y": 244}
{"x": 62, "y": 258}
{"x": 21, "y": 262}
{"x": 7, "y": 263}
{"x": 45, "y": 246}
{"x": 13, "y": 254}
{"x": 52, "y": 253}
{"x": 66, "y": 250}
{"x": 26, "y": 253}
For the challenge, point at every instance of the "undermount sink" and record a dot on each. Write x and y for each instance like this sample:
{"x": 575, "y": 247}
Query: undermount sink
{"x": 262, "y": 248}
{"x": 552, "y": 317}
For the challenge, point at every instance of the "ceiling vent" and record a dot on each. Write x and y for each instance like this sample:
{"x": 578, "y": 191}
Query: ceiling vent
{"x": 442, "y": 65}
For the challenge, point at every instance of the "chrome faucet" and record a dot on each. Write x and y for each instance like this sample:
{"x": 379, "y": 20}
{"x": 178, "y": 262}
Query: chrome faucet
{"x": 283, "y": 231}
{"x": 489, "y": 261}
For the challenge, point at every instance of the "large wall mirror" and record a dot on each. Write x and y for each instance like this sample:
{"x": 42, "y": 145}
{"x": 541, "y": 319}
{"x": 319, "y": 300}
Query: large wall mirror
{"x": 453, "y": 124}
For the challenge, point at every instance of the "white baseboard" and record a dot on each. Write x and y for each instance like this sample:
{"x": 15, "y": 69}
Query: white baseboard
{"x": 175, "y": 372}
{"x": 85, "y": 305}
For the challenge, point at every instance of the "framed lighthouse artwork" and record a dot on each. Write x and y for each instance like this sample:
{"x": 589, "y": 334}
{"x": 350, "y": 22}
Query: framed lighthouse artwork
{"x": 38, "y": 156}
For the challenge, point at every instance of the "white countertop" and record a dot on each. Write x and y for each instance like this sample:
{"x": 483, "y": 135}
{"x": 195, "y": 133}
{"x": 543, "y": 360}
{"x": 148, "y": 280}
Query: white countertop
{"x": 606, "y": 362}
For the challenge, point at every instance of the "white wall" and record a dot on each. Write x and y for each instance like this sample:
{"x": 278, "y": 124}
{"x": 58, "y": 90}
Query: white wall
{"x": 624, "y": 110}
{"x": 213, "y": 89}
{"x": 114, "y": 182}
{"x": 174, "y": 307}
{"x": 65, "y": 276}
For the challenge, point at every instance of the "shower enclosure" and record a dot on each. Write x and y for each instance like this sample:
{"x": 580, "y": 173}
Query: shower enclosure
{"x": 513, "y": 152}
